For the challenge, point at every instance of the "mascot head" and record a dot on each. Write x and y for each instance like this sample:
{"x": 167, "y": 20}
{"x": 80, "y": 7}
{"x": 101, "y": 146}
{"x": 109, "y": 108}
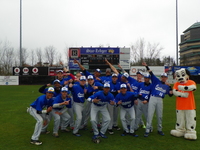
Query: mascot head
{"x": 182, "y": 75}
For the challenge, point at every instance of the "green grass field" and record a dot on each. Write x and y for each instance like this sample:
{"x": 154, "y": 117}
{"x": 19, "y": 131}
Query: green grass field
{"x": 16, "y": 128}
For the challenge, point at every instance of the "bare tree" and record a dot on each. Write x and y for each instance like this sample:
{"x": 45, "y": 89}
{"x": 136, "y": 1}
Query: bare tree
{"x": 32, "y": 57}
{"x": 50, "y": 53}
{"x": 24, "y": 56}
{"x": 168, "y": 61}
{"x": 39, "y": 56}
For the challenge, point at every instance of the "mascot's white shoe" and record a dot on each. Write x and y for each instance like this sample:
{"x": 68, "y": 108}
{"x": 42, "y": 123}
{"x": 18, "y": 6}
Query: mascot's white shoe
{"x": 190, "y": 135}
{"x": 177, "y": 133}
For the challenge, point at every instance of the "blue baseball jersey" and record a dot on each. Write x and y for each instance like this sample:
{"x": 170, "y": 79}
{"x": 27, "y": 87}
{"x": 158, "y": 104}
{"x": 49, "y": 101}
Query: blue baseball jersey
{"x": 159, "y": 89}
{"x": 127, "y": 99}
{"x": 78, "y": 93}
{"x": 90, "y": 88}
{"x": 104, "y": 98}
{"x": 106, "y": 79}
{"x": 133, "y": 83}
{"x": 59, "y": 99}
{"x": 114, "y": 87}
{"x": 42, "y": 102}
{"x": 145, "y": 91}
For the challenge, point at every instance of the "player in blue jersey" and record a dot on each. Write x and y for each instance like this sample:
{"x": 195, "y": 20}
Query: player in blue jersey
{"x": 60, "y": 105}
{"x": 144, "y": 91}
{"x": 36, "y": 110}
{"x": 91, "y": 88}
{"x": 99, "y": 104}
{"x": 159, "y": 89}
{"x": 107, "y": 78}
{"x": 126, "y": 100}
{"x": 56, "y": 85}
{"x": 79, "y": 99}
{"x": 113, "y": 110}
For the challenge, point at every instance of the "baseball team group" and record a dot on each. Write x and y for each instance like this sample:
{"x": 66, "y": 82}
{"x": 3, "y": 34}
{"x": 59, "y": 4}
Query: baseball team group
{"x": 71, "y": 100}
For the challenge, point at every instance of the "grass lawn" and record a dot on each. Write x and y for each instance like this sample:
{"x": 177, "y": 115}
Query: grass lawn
{"x": 16, "y": 127}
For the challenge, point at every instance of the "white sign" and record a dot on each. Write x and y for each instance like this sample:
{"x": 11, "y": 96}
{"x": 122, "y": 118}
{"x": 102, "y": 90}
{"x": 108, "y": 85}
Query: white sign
{"x": 9, "y": 80}
{"x": 124, "y": 58}
{"x": 157, "y": 70}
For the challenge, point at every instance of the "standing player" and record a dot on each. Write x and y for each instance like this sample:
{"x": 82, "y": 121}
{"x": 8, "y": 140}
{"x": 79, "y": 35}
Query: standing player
{"x": 159, "y": 89}
{"x": 127, "y": 99}
{"x": 59, "y": 111}
{"x": 113, "y": 110}
{"x": 36, "y": 110}
{"x": 144, "y": 91}
{"x": 99, "y": 104}
{"x": 79, "y": 99}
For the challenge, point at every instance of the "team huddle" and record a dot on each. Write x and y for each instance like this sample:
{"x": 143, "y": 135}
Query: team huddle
{"x": 73, "y": 100}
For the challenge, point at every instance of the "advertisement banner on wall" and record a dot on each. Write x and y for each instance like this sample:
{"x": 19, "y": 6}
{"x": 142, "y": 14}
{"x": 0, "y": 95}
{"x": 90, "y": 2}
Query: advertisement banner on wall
{"x": 157, "y": 70}
{"x": 9, "y": 80}
{"x": 194, "y": 70}
{"x": 30, "y": 71}
{"x": 99, "y": 50}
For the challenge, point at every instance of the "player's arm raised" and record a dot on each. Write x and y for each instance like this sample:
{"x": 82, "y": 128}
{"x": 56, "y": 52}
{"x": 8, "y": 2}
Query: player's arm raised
{"x": 79, "y": 64}
{"x": 112, "y": 67}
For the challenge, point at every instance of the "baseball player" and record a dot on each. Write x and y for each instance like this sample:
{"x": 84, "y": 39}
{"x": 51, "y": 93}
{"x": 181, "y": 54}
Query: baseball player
{"x": 36, "y": 110}
{"x": 107, "y": 78}
{"x": 144, "y": 91}
{"x": 126, "y": 100}
{"x": 60, "y": 111}
{"x": 92, "y": 88}
{"x": 159, "y": 89}
{"x": 79, "y": 99}
{"x": 113, "y": 110}
{"x": 99, "y": 104}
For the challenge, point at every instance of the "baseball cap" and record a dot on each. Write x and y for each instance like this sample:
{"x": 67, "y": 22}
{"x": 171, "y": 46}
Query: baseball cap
{"x": 59, "y": 71}
{"x": 106, "y": 85}
{"x": 123, "y": 86}
{"x": 98, "y": 70}
{"x": 108, "y": 70}
{"x": 147, "y": 76}
{"x": 126, "y": 75}
{"x": 114, "y": 75}
{"x": 164, "y": 75}
{"x": 82, "y": 78}
{"x": 64, "y": 89}
{"x": 90, "y": 77}
{"x": 50, "y": 90}
{"x": 139, "y": 72}
{"x": 56, "y": 81}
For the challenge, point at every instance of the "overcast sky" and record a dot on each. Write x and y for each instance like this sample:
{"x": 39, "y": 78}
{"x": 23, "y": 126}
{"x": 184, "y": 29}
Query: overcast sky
{"x": 65, "y": 23}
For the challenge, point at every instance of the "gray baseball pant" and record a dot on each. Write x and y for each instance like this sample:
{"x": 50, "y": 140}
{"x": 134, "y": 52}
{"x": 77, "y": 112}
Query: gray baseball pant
{"x": 115, "y": 115}
{"x": 141, "y": 109}
{"x": 131, "y": 113}
{"x": 65, "y": 117}
{"x": 111, "y": 112}
{"x": 78, "y": 109}
{"x": 105, "y": 118}
{"x": 155, "y": 104}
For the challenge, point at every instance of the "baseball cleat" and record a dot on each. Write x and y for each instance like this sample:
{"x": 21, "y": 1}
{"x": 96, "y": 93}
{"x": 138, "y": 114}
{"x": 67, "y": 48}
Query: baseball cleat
{"x": 110, "y": 131}
{"x": 45, "y": 132}
{"x": 55, "y": 135}
{"x": 102, "y": 135}
{"x": 117, "y": 128}
{"x": 161, "y": 133}
{"x": 133, "y": 134}
{"x": 124, "y": 133}
{"x": 77, "y": 134}
{"x": 35, "y": 142}
{"x": 146, "y": 134}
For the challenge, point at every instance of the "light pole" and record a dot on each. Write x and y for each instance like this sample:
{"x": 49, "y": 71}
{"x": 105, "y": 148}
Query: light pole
{"x": 176, "y": 32}
{"x": 20, "y": 45}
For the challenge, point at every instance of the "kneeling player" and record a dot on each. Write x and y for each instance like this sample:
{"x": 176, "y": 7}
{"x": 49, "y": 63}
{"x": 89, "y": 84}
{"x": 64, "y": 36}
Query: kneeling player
{"x": 59, "y": 111}
{"x": 127, "y": 99}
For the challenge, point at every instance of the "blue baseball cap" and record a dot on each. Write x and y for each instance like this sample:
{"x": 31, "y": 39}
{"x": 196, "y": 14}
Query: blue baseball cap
{"x": 123, "y": 86}
{"x": 64, "y": 89}
{"x": 82, "y": 78}
{"x": 126, "y": 75}
{"x": 56, "y": 81}
{"x": 50, "y": 90}
{"x": 90, "y": 77}
{"x": 147, "y": 76}
{"x": 98, "y": 70}
{"x": 164, "y": 75}
{"x": 106, "y": 85}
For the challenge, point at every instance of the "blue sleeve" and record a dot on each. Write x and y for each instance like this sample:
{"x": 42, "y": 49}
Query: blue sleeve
{"x": 39, "y": 105}
{"x": 98, "y": 84}
{"x": 86, "y": 73}
{"x": 56, "y": 100}
{"x": 130, "y": 79}
{"x": 94, "y": 96}
{"x": 117, "y": 98}
{"x": 154, "y": 79}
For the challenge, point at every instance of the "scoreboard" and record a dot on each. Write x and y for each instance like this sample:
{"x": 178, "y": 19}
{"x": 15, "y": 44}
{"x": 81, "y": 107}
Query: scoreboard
{"x": 94, "y": 57}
